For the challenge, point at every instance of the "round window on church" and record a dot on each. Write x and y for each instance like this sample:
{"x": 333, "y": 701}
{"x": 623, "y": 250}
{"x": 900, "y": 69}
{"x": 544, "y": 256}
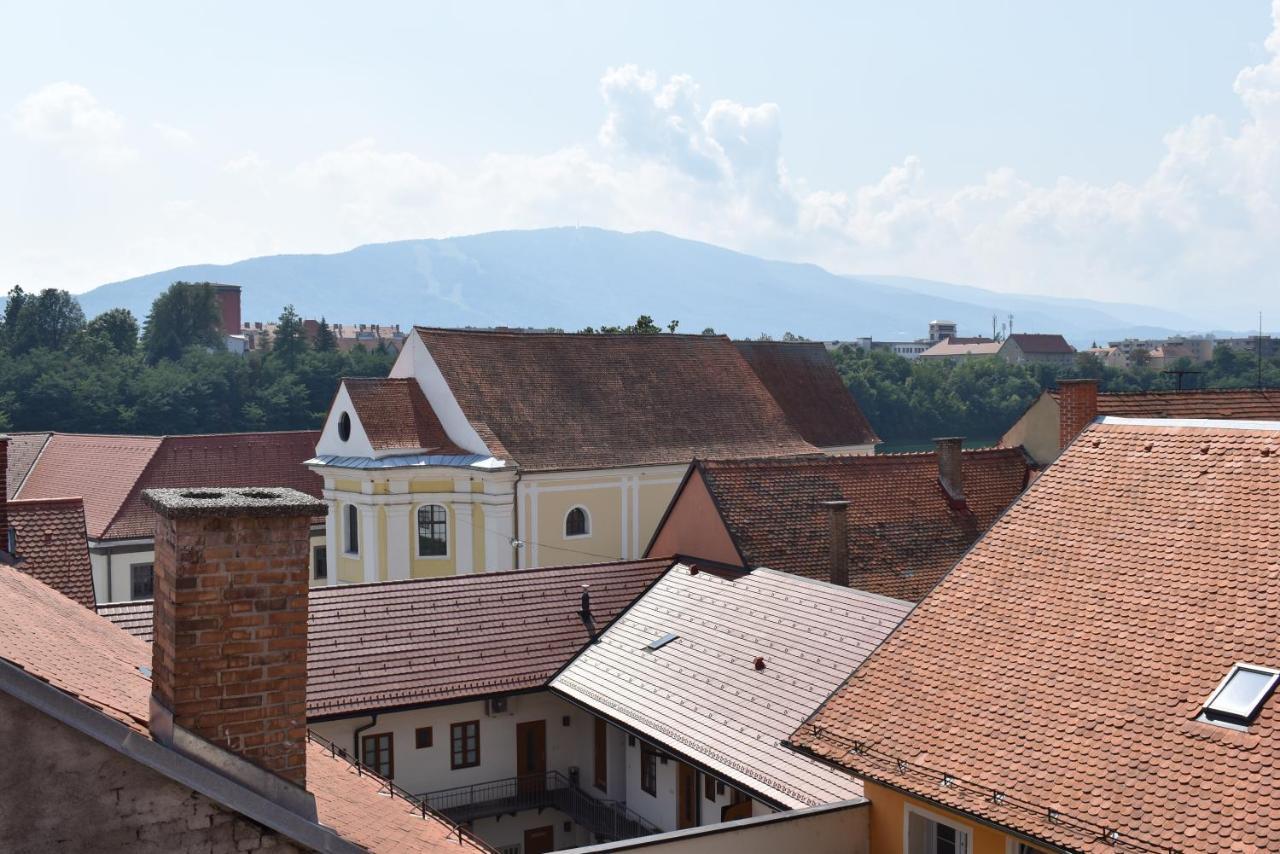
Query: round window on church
{"x": 344, "y": 426}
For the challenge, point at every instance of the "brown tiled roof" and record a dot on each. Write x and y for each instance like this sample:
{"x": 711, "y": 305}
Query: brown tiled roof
{"x": 963, "y": 347}
{"x": 110, "y": 472}
{"x": 1064, "y": 661}
{"x": 135, "y": 616}
{"x": 1241, "y": 404}
{"x": 681, "y": 696}
{"x": 1031, "y": 342}
{"x": 23, "y": 450}
{"x": 563, "y": 401}
{"x": 395, "y": 415}
{"x": 100, "y": 469}
{"x": 56, "y": 640}
{"x": 52, "y": 545}
{"x": 803, "y": 380}
{"x": 904, "y": 533}
{"x": 226, "y": 459}
{"x": 429, "y": 640}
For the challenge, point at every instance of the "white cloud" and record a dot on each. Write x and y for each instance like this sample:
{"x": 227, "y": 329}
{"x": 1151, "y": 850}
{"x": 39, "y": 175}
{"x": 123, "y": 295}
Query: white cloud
{"x": 249, "y": 163}
{"x": 174, "y": 136}
{"x": 69, "y": 118}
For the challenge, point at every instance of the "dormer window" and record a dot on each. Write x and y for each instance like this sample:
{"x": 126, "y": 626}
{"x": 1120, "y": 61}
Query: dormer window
{"x": 344, "y": 426}
{"x": 1238, "y": 697}
{"x": 576, "y": 523}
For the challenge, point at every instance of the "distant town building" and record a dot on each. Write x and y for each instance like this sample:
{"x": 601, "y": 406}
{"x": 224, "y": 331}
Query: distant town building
{"x": 1021, "y": 348}
{"x": 958, "y": 349}
{"x": 259, "y": 335}
{"x": 227, "y": 298}
{"x": 939, "y": 330}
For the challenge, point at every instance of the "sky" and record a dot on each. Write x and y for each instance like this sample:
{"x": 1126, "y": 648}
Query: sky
{"x": 1118, "y": 151}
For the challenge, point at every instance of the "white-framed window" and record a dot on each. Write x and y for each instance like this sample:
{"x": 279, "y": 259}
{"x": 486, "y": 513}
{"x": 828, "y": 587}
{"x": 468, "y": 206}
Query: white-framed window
{"x": 433, "y": 530}
{"x": 1017, "y": 846}
{"x": 925, "y": 832}
{"x": 353, "y": 530}
{"x": 577, "y": 523}
{"x": 141, "y": 580}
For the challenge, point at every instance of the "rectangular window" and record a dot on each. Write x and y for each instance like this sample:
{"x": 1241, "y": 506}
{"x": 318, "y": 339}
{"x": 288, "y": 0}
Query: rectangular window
{"x": 375, "y": 753}
{"x": 464, "y": 740}
{"x": 649, "y": 769}
{"x": 602, "y": 756}
{"x": 433, "y": 531}
{"x": 931, "y": 834}
{"x": 422, "y": 737}
{"x": 709, "y": 787}
{"x": 353, "y": 530}
{"x": 320, "y": 557}
{"x": 141, "y": 580}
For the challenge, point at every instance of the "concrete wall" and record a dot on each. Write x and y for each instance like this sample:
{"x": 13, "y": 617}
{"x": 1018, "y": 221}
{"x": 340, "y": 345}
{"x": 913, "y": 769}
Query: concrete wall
{"x": 662, "y": 809}
{"x": 1036, "y": 430}
{"x": 64, "y": 791}
{"x": 831, "y": 829}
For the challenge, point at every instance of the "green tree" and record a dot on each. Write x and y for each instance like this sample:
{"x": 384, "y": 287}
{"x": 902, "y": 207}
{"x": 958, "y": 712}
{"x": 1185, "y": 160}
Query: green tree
{"x": 326, "y": 341}
{"x": 289, "y": 340}
{"x": 185, "y": 315}
{"x": 12, "y": 308}
{"x": 117, "y": 327}
{"x": 48, "y": 319}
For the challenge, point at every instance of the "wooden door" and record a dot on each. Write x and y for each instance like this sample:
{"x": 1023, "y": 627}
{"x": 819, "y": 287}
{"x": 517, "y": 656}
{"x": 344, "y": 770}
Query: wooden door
{"x": 540, "y": 840}
{"x": 531, "y": 756}
{"x": 687, "y": 796}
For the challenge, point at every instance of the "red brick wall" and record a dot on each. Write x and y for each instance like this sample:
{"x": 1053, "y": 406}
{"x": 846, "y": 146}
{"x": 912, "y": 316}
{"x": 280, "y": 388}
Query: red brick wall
{"x": 1077, "y": 406}
{"x": 230, "y": 651}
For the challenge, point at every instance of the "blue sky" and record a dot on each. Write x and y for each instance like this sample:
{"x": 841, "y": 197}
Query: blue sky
{"x": 1113, "y": 150}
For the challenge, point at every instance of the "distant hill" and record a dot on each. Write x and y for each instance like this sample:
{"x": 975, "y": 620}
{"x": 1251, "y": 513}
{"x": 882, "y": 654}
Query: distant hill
{"x": 575, "y": 277}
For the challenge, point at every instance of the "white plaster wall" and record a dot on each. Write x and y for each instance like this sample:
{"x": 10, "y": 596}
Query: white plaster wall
{"x": 506, "y": 830}
{"x": 357, "y": 444}
{"x": 660, "y": 809}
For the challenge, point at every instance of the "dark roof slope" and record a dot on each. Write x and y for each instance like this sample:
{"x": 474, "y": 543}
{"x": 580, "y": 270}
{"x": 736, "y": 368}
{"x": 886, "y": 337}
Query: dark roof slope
{"x": 395, "y": 414}
{"x": 1064, "y": 660}
{"x": 427, "y": 640}
{"x": 904, "y": 533}
{"x": 1245, "y": 404}
{"x": 23, "y": 450}
{"x": 563, "y": 401}
{"x": 803, "y": 380}
{"x": 52, "y": 545}
{"x": 1031, "y": 342}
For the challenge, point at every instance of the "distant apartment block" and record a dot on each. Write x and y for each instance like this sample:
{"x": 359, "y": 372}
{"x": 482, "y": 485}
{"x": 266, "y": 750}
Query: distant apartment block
{"x": 939, "y": 330}
{"x": 259, "y": 335}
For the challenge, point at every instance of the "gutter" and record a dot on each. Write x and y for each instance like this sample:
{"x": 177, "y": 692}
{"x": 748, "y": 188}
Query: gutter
{"x": 355, "y": 736}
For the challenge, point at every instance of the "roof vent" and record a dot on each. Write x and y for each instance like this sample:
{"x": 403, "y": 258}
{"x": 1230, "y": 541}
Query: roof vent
{"x": 1239, "y": 696}
{"x": 759, "y": 662}
{"x": 662, "y": 641}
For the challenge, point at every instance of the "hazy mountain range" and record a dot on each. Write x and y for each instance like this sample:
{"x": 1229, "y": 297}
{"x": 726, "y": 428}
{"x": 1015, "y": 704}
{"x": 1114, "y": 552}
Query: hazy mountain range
{"x": 575, "y": 277}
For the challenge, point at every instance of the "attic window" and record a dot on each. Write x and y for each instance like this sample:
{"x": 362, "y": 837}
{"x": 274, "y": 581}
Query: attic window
{"x": 344, "y": 426}
{"x": 1238, "y": 697}
{"x": 662, "y": 641}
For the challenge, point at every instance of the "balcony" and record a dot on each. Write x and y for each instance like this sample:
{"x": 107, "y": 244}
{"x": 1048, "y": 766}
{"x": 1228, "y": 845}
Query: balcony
{"x": 608, "y": 820}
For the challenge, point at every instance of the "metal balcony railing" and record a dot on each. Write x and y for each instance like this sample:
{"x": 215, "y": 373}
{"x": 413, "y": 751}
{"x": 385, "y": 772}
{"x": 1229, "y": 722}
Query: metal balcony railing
{"x": 608, "y": 820}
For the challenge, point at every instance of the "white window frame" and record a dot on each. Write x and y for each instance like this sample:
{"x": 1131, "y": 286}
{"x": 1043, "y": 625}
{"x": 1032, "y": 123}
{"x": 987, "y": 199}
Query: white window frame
{"x": 448, "y": 530}
{"x": 350, "y": 515}
{"x": 964, "y": 837}
{"x": 1227, "y": 717}
{"x": 564, "y": 528}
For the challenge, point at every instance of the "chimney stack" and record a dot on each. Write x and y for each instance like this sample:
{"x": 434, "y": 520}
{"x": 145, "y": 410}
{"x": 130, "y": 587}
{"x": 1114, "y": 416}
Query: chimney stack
{"x": 5, "y": 539}
{"x": 1077, "y": 406}
{"x": 229, "y": 659}
{"x": 228, "y": 298}
{"x": 951, "y": 466}
{"x": 838, "y": 526}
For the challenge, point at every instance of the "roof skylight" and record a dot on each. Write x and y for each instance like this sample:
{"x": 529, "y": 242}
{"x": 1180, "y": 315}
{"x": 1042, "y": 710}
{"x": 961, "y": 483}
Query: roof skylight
{"x": 1240, "y": 695}
{"x": 662, "y": 641}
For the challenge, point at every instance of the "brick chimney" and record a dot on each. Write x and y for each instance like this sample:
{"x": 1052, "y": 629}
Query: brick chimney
{"x": 228, "y": 297}
{"x": 4, "y": 493}
{"x": 229, "y": 659}
{"x": 838, "y": 541}
{"x": 951, "y": 467}
{"x": 1077, "y": 406}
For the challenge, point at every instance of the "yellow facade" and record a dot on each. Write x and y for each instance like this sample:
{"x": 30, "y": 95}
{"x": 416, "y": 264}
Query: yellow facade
{"x": 889, "y": 817}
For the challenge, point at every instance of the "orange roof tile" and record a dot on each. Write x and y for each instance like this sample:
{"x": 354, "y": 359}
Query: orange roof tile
{"x": 1063, "y": 662}
{"x": 1242, "y": 404}
{"x": 23, "y": 450}
{"x": 52, "y": 545}
{"x": 395, "y": 415}
{"x": 565, "y": 401}
{"x": 904, "y": 534}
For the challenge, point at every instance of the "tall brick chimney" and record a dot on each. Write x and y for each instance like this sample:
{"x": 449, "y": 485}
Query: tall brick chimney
{"x": 229, "y": 659}
{"x": 228, "y": 297}
{"x": 838, "y": 541}
{"x": 1077, "y": 406}
{"x": 4, "y": 493}
{"x": 951, "y": 466}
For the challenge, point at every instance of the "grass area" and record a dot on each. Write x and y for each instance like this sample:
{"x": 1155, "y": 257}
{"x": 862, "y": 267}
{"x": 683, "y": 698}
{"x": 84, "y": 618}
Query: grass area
{"x": 903, "y": 446}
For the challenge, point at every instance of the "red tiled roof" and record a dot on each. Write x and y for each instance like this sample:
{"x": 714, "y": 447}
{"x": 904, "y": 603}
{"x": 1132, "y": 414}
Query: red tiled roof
{"x": 426, "y": 640}
{"x": 1064, "y": 660}
{"x": 227, "y": 459}
{"x": 135, "y": 616}
{"x": 395, "y": 414}
{"x": 100, "y": 469}
{"x": 1242, "y": 404}
{"x": 23, "y": 450}
{"x": 1040, "y": 343}
{"x": 904, "y": 534}
{"x": 803, "y": 380}
{"x": 54, "y": 639}
{"x": 563, "y": 401}
{"x": 53, "y": 547}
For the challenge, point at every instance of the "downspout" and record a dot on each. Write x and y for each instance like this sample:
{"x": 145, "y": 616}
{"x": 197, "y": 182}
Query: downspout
{"x": 355, "y": 737}
{"x": 515, "y": 525}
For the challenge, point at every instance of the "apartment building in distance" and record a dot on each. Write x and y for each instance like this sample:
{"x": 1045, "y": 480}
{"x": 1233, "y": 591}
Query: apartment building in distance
{"x": 485, "y": 451}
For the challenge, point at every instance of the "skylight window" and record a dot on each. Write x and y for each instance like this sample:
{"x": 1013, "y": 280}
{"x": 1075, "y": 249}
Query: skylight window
{"x": 1238, "y": 697}
{"x": 662, "y": 641}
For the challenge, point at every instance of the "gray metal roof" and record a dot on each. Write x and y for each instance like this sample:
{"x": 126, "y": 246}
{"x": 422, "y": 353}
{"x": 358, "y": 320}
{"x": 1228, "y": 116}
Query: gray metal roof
{"x": 398, "y": 461}
{"x": 701, "y": 695}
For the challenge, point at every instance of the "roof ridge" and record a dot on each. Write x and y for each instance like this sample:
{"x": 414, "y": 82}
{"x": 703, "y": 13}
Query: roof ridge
{"x": 575, "y": 335}
{"x": 501, "y": 573}
{"x": 34, "y": 502}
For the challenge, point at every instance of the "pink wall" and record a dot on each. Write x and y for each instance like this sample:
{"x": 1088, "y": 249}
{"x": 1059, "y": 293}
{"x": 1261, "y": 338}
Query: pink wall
{"x": 694, "y": 527}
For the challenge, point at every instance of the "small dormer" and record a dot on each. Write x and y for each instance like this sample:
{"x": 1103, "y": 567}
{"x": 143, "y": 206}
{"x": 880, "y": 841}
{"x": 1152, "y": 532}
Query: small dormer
{"x": 375, "y": 418}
